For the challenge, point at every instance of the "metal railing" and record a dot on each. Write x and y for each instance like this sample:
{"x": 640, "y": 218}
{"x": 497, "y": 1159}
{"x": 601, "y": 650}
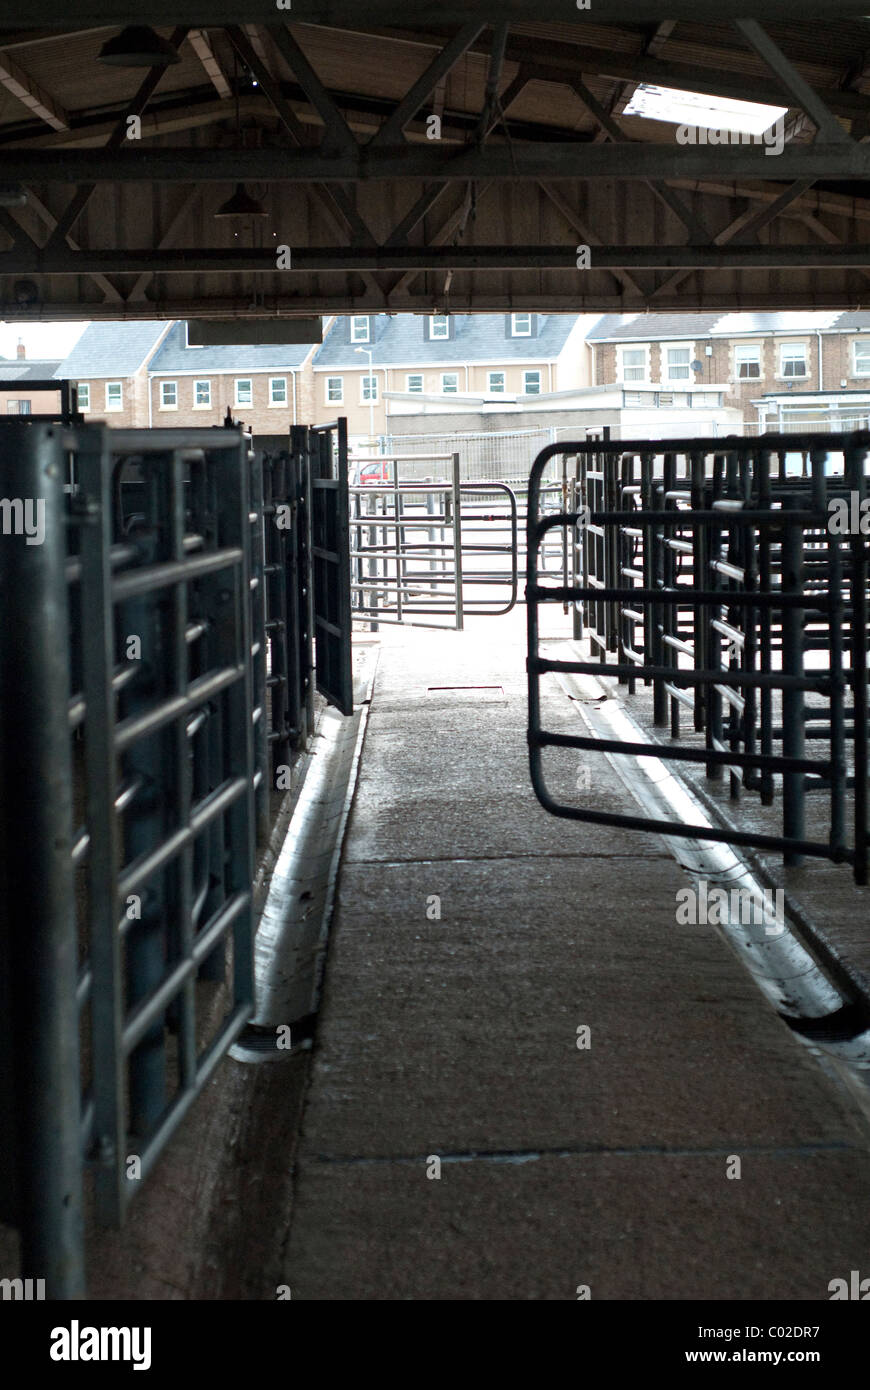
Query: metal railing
{"x": 155, "y": 672}
{"x": 705, "y": 570}
{"x": 432, "y": 548}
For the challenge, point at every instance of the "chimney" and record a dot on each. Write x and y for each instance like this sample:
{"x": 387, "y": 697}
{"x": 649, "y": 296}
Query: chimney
{"x": 21, "y": 351}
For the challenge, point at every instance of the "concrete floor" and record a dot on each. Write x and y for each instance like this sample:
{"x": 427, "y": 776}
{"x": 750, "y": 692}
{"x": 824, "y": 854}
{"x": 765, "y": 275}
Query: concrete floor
{"x": 456, "y": 1039}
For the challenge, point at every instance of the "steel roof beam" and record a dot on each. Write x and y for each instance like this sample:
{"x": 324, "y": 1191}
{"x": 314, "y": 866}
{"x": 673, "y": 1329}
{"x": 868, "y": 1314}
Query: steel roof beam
{"x": 18, "y": 14}
{"x": 25, "y": 259}
{"x": 410, "y": 104}
{"x": 580, "y": 160}
{"x": 796, "y": 87}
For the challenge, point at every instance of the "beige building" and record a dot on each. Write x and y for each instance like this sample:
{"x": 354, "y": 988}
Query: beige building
{"x": 147, "y": 375}
{"x": 374, "y": 367}
{"x": 757, "y": 362}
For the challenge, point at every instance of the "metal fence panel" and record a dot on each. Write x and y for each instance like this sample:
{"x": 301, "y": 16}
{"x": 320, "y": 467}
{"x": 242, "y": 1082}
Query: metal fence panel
{"x": 712, "y": 573}
{"x": 331, "y": 563}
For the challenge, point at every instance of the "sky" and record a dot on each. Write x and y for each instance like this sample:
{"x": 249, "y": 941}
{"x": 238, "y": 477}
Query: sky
{"x": 47, "y": 340}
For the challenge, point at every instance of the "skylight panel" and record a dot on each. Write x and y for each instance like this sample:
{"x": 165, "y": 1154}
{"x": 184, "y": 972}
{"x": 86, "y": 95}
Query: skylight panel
{"x": 702, "y": 110}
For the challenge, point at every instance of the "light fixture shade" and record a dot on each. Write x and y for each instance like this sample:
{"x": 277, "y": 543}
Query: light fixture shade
{"x": 138, "y": 46}
{"x": 241, "y": 204}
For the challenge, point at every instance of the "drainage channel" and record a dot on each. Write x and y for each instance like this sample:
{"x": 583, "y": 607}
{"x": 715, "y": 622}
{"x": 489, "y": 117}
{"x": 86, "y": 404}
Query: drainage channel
{"x": 828, "y": 1014}
{"x": 291, "y": 942}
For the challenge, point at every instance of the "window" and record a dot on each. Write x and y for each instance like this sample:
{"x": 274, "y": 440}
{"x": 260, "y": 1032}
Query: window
{"x": 747, "y": 361}
{"x": 244, "y": 391}
{"x": 114, "y": 395}
{"x": 679, "y": 363}
{"x": 368, "y": 388}
{"x": 495, "y": 382}
{"x": 439, "y": 326}
{"x": 169, "y": 395}
{"x": 83, "y": 395}
{"x": 633, "y": 398}
{"x": 11, "y": 407}
{"x": 415, "y": 382}
{"x": 861, "y": 351}
{"x": 277, "y": 390}
{"x": 335, "y": 390}
{"x": 793, "y": 360}
{"x": 634, "y": 364}
{"x": 359, "y": 328}
{"x": 665, "y": 398}
{"x": 532, "y": 383}
{"x": 521, "y": 325}
{"x": 201, "y": 395}
{"x": 449, "y": 383}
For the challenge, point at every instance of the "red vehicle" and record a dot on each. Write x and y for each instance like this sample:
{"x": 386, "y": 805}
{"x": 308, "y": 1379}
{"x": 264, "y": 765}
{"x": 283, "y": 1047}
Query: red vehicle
{"x": 368, "y": 472}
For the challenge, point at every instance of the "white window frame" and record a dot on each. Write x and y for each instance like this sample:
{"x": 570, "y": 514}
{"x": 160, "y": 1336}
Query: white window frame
{"x": 334, "y": 400}
{"x": 83, "y": 406}
{"x": 517, "y": 332}
{"x": 201, "y": 381}
{"x": 642, "y": 367}
{"x": 741, "y": 351}
{"x": 164, "y": 404}
{"x": 110, "y": 406}
{"x": 246, "y": 381}
{"x": 360, "y": 321}
{"x": 277, "y": 405}
{"x": 449, "y": 390}
{"x": 496, "y": 390}
{"x": 373, "y": 396}
{"x": 865, "y": 344}
{"x": 667, "y": 349}
{"x": 792, "y": 350}
{"x": 414, "y": 390}
{"x": 532, "y": 371}
{"x": 439, "y": 320}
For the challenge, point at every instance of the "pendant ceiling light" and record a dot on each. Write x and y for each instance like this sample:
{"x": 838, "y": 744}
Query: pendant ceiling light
{"x": 241, "y": 204}
{"x": 138, "y": 46}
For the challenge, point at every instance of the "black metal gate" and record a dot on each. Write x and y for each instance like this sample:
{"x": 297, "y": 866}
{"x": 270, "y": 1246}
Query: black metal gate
{"x": 731, "y": 575}
{"x": 157, "y": 599}
{"x": 330, "y": 549}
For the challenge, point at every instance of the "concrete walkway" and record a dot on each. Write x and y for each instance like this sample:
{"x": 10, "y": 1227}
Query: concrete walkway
{"x": 456, "y": 1039}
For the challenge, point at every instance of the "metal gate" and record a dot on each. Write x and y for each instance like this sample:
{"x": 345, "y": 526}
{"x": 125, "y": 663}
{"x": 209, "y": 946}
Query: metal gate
{"x": 156, "y": 616}
{"x": 330, "y": 549}
{"x": 427, "y": 549}
{"x": 732, "y": 577}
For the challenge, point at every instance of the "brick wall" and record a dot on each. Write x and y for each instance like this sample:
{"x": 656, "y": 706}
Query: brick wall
{"x": 134, "y": 412}
{"x": 260, "y": 416}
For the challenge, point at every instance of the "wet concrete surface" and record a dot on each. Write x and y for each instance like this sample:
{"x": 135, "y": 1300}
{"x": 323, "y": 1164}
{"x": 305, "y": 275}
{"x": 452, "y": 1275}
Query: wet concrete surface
{"x": 451, "y": 1034}
{"x": 453, "y": 1037}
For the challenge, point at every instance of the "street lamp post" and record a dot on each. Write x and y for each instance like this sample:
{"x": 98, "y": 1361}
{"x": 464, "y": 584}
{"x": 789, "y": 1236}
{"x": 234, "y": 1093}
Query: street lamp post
{"x": 368, "y": 353}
